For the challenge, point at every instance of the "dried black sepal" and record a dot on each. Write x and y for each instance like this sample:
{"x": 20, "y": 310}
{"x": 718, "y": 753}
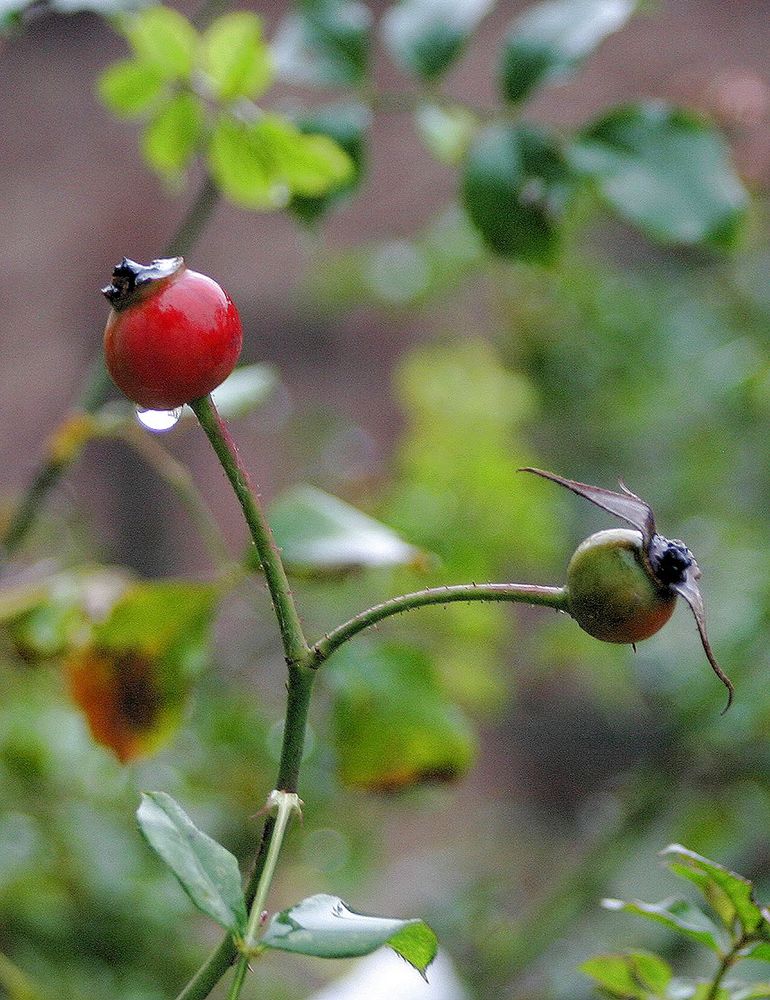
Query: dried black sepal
{"x": 670, "y": 564}
{"x": 129, "y": 277}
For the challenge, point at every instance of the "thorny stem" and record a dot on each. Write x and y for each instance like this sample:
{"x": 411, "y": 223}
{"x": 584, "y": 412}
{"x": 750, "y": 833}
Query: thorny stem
{"x": 302, "y": 662}
{"x": 552, "y": 597}
{"x": 97, "y": 384}
{"x": 299, "y": 690}
{"x": 216, "y": 430}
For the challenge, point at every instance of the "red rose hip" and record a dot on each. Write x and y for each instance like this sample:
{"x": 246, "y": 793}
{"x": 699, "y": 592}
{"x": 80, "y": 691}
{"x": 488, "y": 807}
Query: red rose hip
{"x": 172, "y": 335}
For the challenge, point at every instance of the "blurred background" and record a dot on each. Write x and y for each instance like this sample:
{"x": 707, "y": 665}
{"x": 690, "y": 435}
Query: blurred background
{"x": 415, "y": 375}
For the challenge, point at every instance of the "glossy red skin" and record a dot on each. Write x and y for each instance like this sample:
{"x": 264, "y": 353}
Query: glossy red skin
{"x": 174, "y": 343}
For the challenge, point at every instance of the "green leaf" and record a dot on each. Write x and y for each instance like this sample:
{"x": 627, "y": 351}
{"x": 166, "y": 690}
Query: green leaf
{"x": 425, "y": 37}
{"x": 242, "y": 166}
{"x": 319, "y": 532}
{"x": 678, "y": 915}
{"x": 307, "y": 164}
{"x": 633, "y": 976}
{"x": 260, "y": 163}
{"x": 446, "y": 131}
{"x": 174, "y": 136}
{"x": 759, "y": 952}
{"x": 245, "y": 390}
{"x": 324, "y": 926}
{"x": 207, "y": 871}
{"x": 129, "y": 88}
{"x": 550, "y": 40}
{"x": 236, "y": 58}
{"x": 515, "y": 187}
{"x": 392, "y": 726}
{"x": 132, "y": 678}
{"x": 158, "y": 617}
{"x": 346, "y": 125}
{"x": 162, "y": 38}
{"x": 665, "y": 171}
{"x": 326, "y": 44}
{"x": 738, "y": 890}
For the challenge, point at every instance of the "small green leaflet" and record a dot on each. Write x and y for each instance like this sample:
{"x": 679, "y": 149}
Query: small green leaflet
{"x": 516, "y": 186}
{"x": 324, "y": 44}
{"x": 129, "y": 87}
{"x": 550, "y": 40}
{"x": 242, "y": 392}
{"x": 236, "y": 58}
{"x": 708, "y": 874}
{"x": 633, "y": 975}
{"x": 324, "y": 926}
{"x": 678, "y": 915}
{"x": 666, "y": 171}
{"x": 318, "y": 532}
{"x": 207, "y": 871}
{"x": 426, "y": 36}
{"x": 163, "y": 38}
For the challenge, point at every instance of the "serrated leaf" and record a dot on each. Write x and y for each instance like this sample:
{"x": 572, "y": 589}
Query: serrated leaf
{"x": 325, "y": 44}
{"x": 392, "y": 726}
{"x": 550, "y": 40}
{"x": 242, "y": 167}
{"x": 325, "y": 927}
{"x": 173, "y": 137}
{"x": 738, "y": 890}
{"x": 236, "y": 58}
{"x": 207, "y": 871}
{"x": 634, "y": 975}
{"x": 426, "y": 36}
{"x": 319, "y": 532}
{"x": 346, "y": 125}
{"x": 665, "y": 171}
{"x": 130, "y": 87}
{"x": 163, "y": 38}
{"x": 679, "y": 916}
{"x": 516, "y": 185}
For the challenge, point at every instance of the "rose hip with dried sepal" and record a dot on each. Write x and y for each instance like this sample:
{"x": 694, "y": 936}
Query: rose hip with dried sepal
{"x": 622, "y": 585}
{"x": 173, "y": 335}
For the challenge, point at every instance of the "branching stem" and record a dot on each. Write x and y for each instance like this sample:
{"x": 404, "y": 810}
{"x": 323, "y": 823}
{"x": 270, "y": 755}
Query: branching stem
{"x": 521, "y": 593}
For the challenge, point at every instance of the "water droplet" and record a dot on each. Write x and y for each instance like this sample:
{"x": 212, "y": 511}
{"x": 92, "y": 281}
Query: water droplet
{"x": 158, "y": 420}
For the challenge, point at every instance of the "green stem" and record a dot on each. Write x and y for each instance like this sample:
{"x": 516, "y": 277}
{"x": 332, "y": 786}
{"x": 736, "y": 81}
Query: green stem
{"x": 521, "y": 593}
{"x": 97, "y": 384}
{"x": 286, "y": 804}
{"x": 299, "y": 692}
{"x": 725, "y": 965}
{"x": 216, "y": 430}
